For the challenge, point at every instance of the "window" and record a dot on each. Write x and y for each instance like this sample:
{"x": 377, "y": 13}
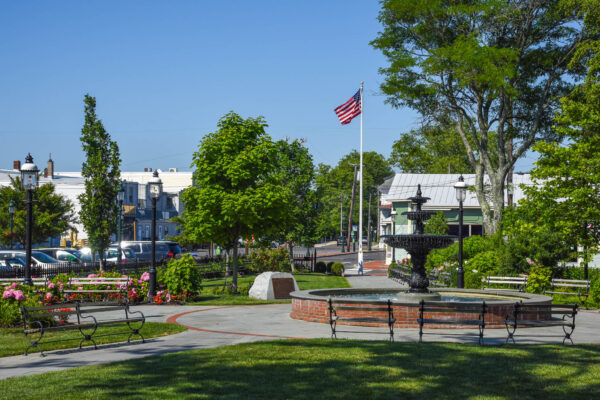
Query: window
{"x": 130, "y": 195}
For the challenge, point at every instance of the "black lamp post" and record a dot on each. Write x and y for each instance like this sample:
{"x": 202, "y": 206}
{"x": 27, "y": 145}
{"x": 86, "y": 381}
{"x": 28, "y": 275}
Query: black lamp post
{"x": 461, "y": 194}
{"x": 155, "y": 186}
{"x": 121, "y": 197}
{"x": 29, "y": 180}
{"x": 11, "y": 213}
{"x": 393, "y": 214}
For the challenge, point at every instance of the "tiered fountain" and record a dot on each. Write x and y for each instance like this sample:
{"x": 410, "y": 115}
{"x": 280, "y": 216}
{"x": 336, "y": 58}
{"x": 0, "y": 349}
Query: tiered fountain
{"x": 418, "y": 245}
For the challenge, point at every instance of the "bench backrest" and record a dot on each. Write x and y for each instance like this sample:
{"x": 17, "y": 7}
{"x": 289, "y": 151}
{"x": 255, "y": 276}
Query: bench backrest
{"x": 36, "y": 281}
{"x": 31, "y": 314}
{"x": 569, "y": 309}
{"x": 570, "y": 283}
{"x": 449, "y": 307}
{"x": 97, "y": 307}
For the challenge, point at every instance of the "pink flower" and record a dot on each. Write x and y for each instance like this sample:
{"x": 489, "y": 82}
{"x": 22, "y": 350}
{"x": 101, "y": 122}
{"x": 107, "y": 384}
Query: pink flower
{"x": 60, "y": 287}
{"x": 7, "y": 294}
{"x": 51, "y": 285}
{"x": 145, "y": 277}
{"x": 19, "y": 295}
{"x": 80, "y": 288}
{"x": 91, "y": 275}
{"x": 108, "y": 287}
{"x": 441, "y": 268}
{"x": 48, "y": 296}
{"x": 160, "y": 292}
{"x": 14, "y": 285}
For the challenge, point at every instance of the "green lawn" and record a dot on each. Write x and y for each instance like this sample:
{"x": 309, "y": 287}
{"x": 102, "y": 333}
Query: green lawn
{"x": 325, "y": 369}
{"x": 304, "y": 281}
{"x": 13, "y": 341}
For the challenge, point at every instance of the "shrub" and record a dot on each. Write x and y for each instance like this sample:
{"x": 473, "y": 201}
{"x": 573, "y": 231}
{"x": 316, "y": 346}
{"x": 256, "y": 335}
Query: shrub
{"x": 337, "y": 269}
{"x": 539, "y": 277}
{"x": 329, "y": 264}
{"x": 320, "y": 266}
{"x": 264, "y": 259}
{"x": 595, "y": 292}
{"x": 182, "y": 278}
{"x": 487, "y": 262}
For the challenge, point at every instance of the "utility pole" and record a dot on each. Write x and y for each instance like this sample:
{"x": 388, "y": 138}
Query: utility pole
{"x": 369, "y": 223}
{"x": 351, "y": 205}
{"x": 341, "y": 214}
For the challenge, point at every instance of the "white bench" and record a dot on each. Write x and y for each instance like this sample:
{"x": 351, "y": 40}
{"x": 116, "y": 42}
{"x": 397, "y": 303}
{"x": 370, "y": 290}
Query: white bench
{"x": 582, "y": 287}
{"x": 519, "y": 281}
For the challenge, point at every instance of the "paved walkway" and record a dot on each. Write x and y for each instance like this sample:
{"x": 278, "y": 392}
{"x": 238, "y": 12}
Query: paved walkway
{"x": 224, "y": 325}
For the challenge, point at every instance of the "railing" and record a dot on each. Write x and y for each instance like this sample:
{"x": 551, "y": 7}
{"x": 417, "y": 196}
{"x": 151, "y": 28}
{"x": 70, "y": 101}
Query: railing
{"x": 306, "y": 262}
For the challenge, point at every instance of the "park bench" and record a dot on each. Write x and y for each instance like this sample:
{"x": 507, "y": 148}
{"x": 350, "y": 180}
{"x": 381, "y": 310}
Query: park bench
{"x": 541, "y": 315}
{"x": 400, "y": 274}
{"x": 474, "y": 315}
{"x": 519, "y": 281}
{"x": 39, "y": 320}
{"x": 385, "y": 315}
{"x": 102, "y": 286}
{"x": 439, "y": 278}
{"x": 561, "y": 286}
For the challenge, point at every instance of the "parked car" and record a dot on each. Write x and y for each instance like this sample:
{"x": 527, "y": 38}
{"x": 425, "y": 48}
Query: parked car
{"x": 38, "y": 259}
{"x": 10, "y": 266}
{"x": 143, "y": 249}
{"x": 340, "y": 240}
{"x": 63, "y": 254}
{"x": 85, "y": 253}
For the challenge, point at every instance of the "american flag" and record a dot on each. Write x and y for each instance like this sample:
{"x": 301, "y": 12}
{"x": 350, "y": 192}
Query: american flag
{"x": 349, "y": 109}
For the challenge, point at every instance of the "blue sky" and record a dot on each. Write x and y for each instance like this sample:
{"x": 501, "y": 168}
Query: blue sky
{"x": 164, "y": 72}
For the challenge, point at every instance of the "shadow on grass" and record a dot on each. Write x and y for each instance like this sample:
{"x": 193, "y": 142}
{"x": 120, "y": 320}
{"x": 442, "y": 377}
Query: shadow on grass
{"x": 324, "y": 369}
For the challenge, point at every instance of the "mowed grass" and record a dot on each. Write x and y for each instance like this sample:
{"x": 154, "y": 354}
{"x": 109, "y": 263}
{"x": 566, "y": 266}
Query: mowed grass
{"x": 13, "y": 341}
{"x": 304, "y": 281}
{"x": 325, "y": 369}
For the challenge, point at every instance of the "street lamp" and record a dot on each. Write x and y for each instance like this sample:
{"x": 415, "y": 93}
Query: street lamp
{"x": 11, "y": 213}
{"x": 155, "y": 186}
{"x": 121, "y": 197}
{"x": 394, "y": 213}
{"x": 461, "y": 194}
{"x": 29, "y": 180}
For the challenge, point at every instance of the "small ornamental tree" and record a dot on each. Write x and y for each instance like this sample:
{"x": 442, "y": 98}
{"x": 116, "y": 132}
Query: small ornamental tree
{"x": 236, "y": 192}
{"x": 99, "y": 210}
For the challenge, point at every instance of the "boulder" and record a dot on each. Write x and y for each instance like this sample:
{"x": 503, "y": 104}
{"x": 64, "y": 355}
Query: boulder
{"x": 273, "y": 286}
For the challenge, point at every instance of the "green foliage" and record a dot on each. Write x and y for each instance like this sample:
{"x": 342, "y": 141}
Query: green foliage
{"x": 337, "y": 269}
{"x": 473, "y": 278}
{"x": 431, "y": 149}
{"x": 99, "y": 210}
{"x": 595, "y": 293}
{"x": 437, "y": 225}
{"x": 320, "y": 267}
{"x": 53, "y": 214}
{"x": 539, "y": 278}
{"x": 486, "y": 65}
{"x": 471, "y": 247}
{"x": 182, "y": 277}
{"x": 333, "y": 184}
{"x": 264, "y": 259}
{"x": 237, "y": 191}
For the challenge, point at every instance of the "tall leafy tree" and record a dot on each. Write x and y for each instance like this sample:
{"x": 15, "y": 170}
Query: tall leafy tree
{"x": 566, "y": 194}
{"x": 432, "y": 149}
{"x": 295, "y": 171}
{"x": 236, "y": 192}
{"x": 335, "y": 183}
{"x": 490, "y": 65}
{"x": 99, "y": 210}
{"x": 53, "y": 214}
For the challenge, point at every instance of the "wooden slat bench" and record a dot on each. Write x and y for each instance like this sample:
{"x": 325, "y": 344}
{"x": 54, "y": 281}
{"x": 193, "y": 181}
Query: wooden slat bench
{"x": 386, "y": 315}
{"x": 117, "y": 286}
{"x": 439, "y": 279}
{"x": 436, "y": 310}
{"x": 560, "y": 286}
{"x": 38, "y": 320}
{"x": 519, "y": 281}
{"x": 541, "y": 315}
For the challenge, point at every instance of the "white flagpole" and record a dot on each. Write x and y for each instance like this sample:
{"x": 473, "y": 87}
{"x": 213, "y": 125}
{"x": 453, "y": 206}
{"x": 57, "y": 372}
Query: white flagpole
{"x": 360, "y": 207}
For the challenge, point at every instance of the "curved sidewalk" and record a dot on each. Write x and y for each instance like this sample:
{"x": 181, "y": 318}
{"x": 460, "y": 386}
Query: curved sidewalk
{"x": 212, "y": 326}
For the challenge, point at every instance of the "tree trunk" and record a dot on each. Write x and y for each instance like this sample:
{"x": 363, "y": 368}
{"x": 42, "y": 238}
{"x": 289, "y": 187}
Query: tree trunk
{"x": 291, "y": 255}
{"x": 234, "y": 270}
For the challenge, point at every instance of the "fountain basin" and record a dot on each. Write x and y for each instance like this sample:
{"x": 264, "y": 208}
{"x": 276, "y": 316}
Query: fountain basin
{"x": 312, "y": 305}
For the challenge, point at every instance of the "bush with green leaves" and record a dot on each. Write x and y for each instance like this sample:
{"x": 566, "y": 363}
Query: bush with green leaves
{"x": 471, "y": 247}
{"x": 329, "y": 264}
{"x": 182, "y": 277}
{"x": 337, "y": 269}
{"x": 437, "y": 224}
{"x": 264, "y": 259}
{"x": 321, "y": 267}
{"x": 539, "y": 277}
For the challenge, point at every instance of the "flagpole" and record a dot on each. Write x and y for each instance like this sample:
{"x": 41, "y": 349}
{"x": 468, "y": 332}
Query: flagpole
{"x": 360, "y": 206}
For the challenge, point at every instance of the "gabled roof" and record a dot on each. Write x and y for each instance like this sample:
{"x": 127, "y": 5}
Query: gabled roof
{"x": 440, "y": 188}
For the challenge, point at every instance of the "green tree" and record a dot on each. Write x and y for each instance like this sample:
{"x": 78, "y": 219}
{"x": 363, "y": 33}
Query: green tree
{"x": 488, "y": 65}
{"x": 565, "y": 196}
{"x": 295, "y": 170}
{"x": 431, "y": 149}
{"x": 53, "y": 214}
{"x": 236, "y": 192}
{"x": 99, "y": 209}
{"x": 437, "y": 225}
{"x": 333, "y": 184}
